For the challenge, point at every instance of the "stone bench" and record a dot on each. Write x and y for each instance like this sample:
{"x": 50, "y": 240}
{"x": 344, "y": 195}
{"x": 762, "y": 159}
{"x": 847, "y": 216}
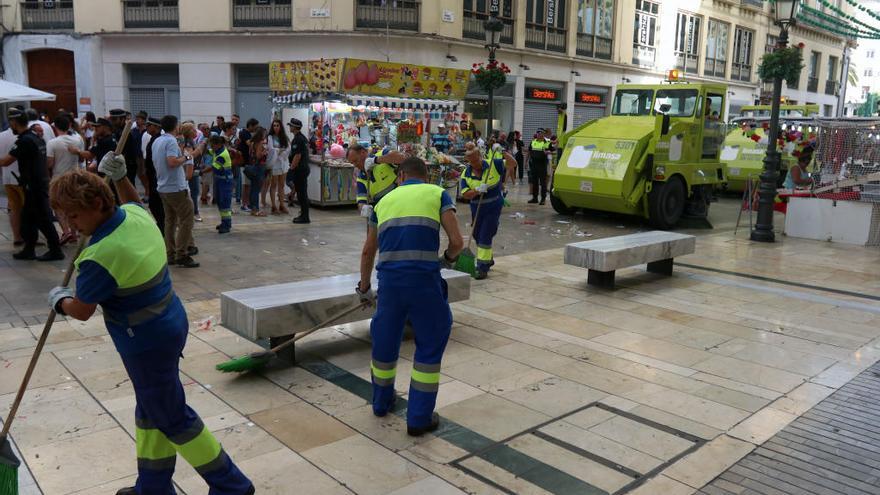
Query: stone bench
{"x": 603, "y": 256}
{"x": 278, "y": 312}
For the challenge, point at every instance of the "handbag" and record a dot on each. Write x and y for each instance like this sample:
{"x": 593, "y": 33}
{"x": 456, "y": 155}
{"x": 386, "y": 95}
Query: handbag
{"x": 252, "y": 171}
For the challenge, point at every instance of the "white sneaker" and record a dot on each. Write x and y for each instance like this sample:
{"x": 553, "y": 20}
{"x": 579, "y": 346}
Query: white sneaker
{"x": 198, "y": 219}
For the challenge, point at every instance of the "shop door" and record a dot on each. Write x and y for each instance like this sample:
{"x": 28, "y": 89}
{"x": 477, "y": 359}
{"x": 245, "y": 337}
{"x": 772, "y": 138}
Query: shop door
{"x": 252, "y": 93}
{"x": 538, "y": 115}
{"x": 52, "y": 71}
{"x": 584, "y": 113}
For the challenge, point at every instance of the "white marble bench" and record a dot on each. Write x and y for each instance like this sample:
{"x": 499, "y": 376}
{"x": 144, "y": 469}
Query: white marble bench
{"x": 603, "y": 256}
{"x": 278, "y": 312}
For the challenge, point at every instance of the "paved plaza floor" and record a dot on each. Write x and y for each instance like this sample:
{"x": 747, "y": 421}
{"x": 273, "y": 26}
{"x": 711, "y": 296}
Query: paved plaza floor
{"x": 655, "y": 388}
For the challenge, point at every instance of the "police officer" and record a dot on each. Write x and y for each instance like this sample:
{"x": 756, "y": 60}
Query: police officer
{"x": 405, "y": 229}
{"x": 538, "y": 163}
{"x": 30, "y": 152}
{"x": 482, "y": 184}
{"x": 377, "y": 175}
{"x": 154, "y": 130}
{"x": 124, "y": 269}
{"x": 300, "y": 168}
{"x": 221, "y": 166}
{"x": 119, "y": 119}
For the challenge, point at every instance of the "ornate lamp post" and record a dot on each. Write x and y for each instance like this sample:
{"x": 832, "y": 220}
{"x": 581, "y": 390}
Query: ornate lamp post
{"x": 786, "y": 12}
{"x": 493, "y": 27}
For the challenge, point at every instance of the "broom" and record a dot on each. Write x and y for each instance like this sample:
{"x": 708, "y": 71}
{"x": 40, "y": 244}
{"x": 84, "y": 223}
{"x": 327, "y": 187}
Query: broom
{"x": 257, "y": 360}
{"x": 466, "y": 261}
{"x": 9, "y": 463}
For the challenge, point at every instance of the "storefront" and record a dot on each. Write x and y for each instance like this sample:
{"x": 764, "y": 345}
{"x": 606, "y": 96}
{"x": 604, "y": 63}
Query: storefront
{"x": 590, "y": 102}
{"x": 541, "y": 100}
{"x": 476, "y": 105}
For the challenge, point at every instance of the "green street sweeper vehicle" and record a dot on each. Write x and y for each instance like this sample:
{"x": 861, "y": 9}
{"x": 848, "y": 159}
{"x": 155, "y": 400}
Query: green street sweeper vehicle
{"x": 656, "y": 156}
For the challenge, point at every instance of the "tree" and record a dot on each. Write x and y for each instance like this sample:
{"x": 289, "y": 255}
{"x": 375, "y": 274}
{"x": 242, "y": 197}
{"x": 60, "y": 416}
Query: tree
{"x": 852, "y": 77}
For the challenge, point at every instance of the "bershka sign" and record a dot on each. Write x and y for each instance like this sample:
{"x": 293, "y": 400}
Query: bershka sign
{"x": 494, "y": 8}
{"x": 591, "y": 98}
{"x": 542, "y": 94}
{"x": 551, "y": 12}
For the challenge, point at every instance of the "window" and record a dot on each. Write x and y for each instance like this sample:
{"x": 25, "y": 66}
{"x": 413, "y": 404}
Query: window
{"x": 594, "y": 29}
{"x": 813, "y": 74}
{"x": 716, "y": 49}
{"x": 681, "y": 101}
{"x": 869, "y": 72}
{"x": 713, "y": 134}
{"x": 771, "y": 43}
{"x": 687, "y": 42}
{"x": 742, "y": 54}
{"x": 869, "y": 54}
{"x": 633, "y": 102}
{"x": 644, "y": 36}
{"x": 475, "y": 14}
{"x": 545, "y": 24}
{"x": 832, "y": 68}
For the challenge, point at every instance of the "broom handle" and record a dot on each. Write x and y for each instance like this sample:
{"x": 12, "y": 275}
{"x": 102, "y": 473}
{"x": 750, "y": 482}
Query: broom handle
{"x": 477, "y": 214}
{"x": 19, "y": 396}
{"x": 317, "y": 327}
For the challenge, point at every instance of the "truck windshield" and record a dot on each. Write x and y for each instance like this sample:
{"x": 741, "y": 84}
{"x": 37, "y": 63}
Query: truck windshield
{"x": 681, "y": 101}
{"x": 633, "y": 102}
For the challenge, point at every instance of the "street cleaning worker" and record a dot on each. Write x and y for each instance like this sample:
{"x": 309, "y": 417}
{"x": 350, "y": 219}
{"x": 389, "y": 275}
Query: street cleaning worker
{"x": 405, "y": 228}
{"x": 221, "y": 166}
{"x": 538, "y": 164}
{"x": 124, "y": 269}
{"x": 482, "y": 184}
{"x": 377, "y": 175}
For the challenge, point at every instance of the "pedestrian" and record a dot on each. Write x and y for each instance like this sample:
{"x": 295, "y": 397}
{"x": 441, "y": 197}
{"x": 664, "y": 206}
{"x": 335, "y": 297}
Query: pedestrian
{"x": 244, "y": 147}
{"x": 279, "y": 164}
{"x": 140, "y": 125}
{"x": 377, "y": 175}
{"x": 480, "y": 142}
{"x": 103, "y": 142}
{"x": 206, "y": 179}
{"x": 538, "y": 162}
{"x": 299, "y": 164}
{"x": 256, "y": 171}
{"x": 187, "y": 140}
{"x": 515, "y": 147}
{"x": 221, "y": 167}
{"x": 236, "y": 169}
{"x": 405, "y": 229}
{"x": 123, "y": 269}
{"x": 119, "y": 119}
{"x": 45, "y": 130}
{"x": 172, "y": 175}
{"x": 87, "y": 129}
{"x": 482, "y": 184}
{"x": 60, "y": 161}
{"x": 153, "y": 131}
{"x": 29, "y": 151}
{"x": 13, "y": 187}
{"x": 219, "y": 122}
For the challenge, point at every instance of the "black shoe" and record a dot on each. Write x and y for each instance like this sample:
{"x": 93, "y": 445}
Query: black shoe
{"x": 51, "y": 255}
{"x": 251, "y": 491}
{"x": 301, "y": 220}
{"x": 218, "y": 227}
{"x": 171, "y": 261}
{"x": 187, "y": 262}
{"x": 192, "y": 251}
{"x": 127, "y": 491}
{"x": 223, "y": 231}
{"x": 533, "y": 201}
{"x": 481, "y": 275}
{"x": 542, "y": 202}
{"x": 390, "y": 408}
{"x": 417, "y": 432}
{"x": 25, "y": 254}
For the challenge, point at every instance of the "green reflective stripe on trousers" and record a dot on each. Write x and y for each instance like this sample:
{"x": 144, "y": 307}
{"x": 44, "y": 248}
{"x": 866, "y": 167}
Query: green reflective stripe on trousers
{"x": 484, "y": 253}
{"x": 426, "y": 374}
{"x": 384, "y": 372}
{"x": 225, "y": 213}
{"x": 201, "y": 450}
{"x": 152, "y": 444}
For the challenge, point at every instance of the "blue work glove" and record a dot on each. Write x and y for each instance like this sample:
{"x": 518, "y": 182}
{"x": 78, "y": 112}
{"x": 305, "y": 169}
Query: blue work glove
{"x": 57, "y": 295}
{"x": 366, "y": 295}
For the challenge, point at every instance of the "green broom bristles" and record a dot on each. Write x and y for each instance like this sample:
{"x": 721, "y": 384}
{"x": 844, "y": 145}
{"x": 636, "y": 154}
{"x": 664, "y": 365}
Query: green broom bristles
{"x": 250, "y": 362}
{"x": 466, "y": 262}
{"x": 9, "y": 464}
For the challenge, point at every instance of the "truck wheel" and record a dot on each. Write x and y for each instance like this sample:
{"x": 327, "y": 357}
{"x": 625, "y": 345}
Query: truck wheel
{"x": 666, "y": 203}
{"x": 559, "y": 206}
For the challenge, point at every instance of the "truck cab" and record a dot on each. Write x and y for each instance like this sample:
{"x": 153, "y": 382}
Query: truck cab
{"x": 656, "y": 156}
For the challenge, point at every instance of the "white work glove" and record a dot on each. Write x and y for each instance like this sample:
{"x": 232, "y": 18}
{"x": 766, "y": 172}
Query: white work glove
{"x": 57, "y": 295}
{"x": 496, "y": 147}
{"x": 369, "y": 163}
{"x": 447, "y": 263}
{"x": 367, "y": 211}
{"x": 366, "y": 296}
{"x": 113, "y": 166}
{"x": 482, "y": 188}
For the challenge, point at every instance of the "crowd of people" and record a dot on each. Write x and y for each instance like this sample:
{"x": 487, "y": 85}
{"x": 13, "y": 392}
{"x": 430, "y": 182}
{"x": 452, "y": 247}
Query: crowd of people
{"x": 181, "y": 167}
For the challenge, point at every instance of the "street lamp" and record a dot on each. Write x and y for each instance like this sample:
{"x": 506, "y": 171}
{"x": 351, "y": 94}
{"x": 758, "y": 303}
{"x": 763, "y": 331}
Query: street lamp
{"x": 785, "y": 16}
{"x": 493, "y": 27}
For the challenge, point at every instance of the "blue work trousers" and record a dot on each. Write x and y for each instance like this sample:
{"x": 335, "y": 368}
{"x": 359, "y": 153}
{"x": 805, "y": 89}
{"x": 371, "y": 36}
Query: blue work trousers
{"x": 166, "y": 426}
{"x": 427, "y": 308}
{"x": 485, "y": 230}
{"x": 223, "y": 194}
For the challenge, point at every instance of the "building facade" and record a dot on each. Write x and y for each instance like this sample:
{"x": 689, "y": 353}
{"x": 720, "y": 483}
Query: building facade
{"x": 202, "y": 58}
{"x": 864, "y": 59}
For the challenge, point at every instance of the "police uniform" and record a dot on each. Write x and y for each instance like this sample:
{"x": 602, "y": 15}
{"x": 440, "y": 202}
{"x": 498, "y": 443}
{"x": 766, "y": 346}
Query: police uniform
{"x": 490, "y": 204}
{"x": 36, "y": 216}
{"x": 221, "y": 163}
{"x": 374, "y": 184}
{"x": 538, "y": 167}
{"x": 410, "y": 288}
{"x": 124, "y": 270}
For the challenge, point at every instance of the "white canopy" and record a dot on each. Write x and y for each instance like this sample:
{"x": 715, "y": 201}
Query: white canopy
{"x": 10, "y": 92}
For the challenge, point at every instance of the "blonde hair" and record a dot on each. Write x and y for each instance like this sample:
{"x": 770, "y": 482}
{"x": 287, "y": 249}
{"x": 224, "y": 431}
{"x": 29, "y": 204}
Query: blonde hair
{"x": 78, "y": 190}
{"x": 188, "y": 130}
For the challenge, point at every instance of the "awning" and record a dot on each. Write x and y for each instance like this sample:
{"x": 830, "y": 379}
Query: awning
{"x": 404, "y": 103}
{"x": 11, "y": 92}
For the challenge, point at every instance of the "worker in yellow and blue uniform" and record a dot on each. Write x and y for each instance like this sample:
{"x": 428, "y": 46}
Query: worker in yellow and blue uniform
{"x": 124, "y": 269}
{"x": 377, "y": 174}
{"x": 539, "y": 162}
{"x": 482, "y": 184}
{"x": 221, "y": 166}
{"x": 405, "y": 229}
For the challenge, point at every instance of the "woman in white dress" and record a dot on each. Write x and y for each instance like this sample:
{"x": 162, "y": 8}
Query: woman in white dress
{"x": 278, "y": 163}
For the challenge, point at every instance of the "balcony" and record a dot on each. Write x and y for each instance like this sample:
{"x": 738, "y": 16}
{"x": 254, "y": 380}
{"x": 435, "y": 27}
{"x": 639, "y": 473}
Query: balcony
{"x": 474, "y": 30}
{"x": 758, "y": 4}
{"x": 812, "y": 85}
{"x": 831, "y": 87}
{"x": 644, "y": 55}
{"x": 545, "y": 38}
{"x": 686, "y": 62}
{"x": 150, "y": 13}
{"x": 261, "y": 13}
{"x": 47, "y": 16}
{"x": 715, "y": 67}
{"x": 741, "y": 72}
{"x": 398, "y": 15}
{"x": 593, "y": 46}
